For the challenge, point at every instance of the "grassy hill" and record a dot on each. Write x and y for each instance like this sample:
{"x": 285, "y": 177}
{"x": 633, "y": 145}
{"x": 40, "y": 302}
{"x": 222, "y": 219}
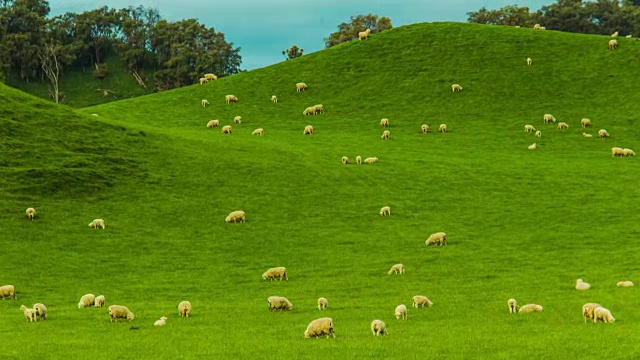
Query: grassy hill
{"x": 520, "y": 223}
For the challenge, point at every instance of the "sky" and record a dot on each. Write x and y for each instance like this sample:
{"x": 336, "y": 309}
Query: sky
{"x": 263, "y": 28}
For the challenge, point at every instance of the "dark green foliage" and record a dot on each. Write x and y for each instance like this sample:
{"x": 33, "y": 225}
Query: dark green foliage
{"x": 349, "y": 31}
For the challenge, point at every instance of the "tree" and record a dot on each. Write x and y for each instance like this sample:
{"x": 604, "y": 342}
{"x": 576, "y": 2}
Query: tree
{"x": 292, "y": 52}
{"x": 24, "y": 22}
{"x": 55, "y": 53}
{"x": 511, "y": 15}
{"x": 349, "y": 31}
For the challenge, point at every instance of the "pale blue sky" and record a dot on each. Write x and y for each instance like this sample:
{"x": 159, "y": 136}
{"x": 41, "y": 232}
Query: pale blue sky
{"x": 263, "y": 28}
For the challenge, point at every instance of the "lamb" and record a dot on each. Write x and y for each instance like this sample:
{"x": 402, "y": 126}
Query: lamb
{"x": 629, "y": 36}
{"x": 624, "y": 284}
{"x": 276, "y": 272}
{"x": 184, "y": 309}
{"x": 99, "y": 301}
{"x": 581, "y": 285}
{"x": 401, "y": 312}
{"x": 274, "y": 99}
{"x": 456, "y": 87}
{"x": 384, "y": 122}
{"x": 443, "y": 128}
{"x": 513, "y": 306}
{"x": 529, "y": 61}
{"x": 370, "y": 160}
{"x": 542, "y": 28}
{"x": 421, "y": 301}
{"x": 29, "y": 314}
{"x": 41, "y": 311}
{"x": 8, "y": 291}
{"x": 210, "y": 77}
{"x": 613, "y": 44}
{"x": 438, "y": 238}
{"x": 319, "y": 327}
{"x": 322, "y": 303}
{"x": 628, "y": 152}
{"x": 359, "y": 160}
{"x": 120, "y": 312}
{"x": 318, "y": 109}
{"x": 161, "y": 322}
{"x": 279, "y": 303}
{"x": 213, "y": 123}
{"x": 308, "y": 130}
{"x": 237, "y": 120}
{"x": 532, "y": 146}
{"x": 617, "y": 151}
{"x": 602, "y": 133}
{"x": 311, "y": 110}
{"x": 385, "y": 135}
{"x": 204, "y": 103}
{"x": 230, "y": 99}
{"x": 529, "y": 308}
{"x": 378, "y": 328}
{"x": 87, "y": 300}
{"x": 345, "y": 160}
{"x": 529, "y": 128}
{"x": 31, "y": 213}
{"x": 203, "y": 81}
{"x": 614, "y": 35}
{"x": 227, "y": 129}
{"x": 396, "y": 269}
{"x": 97, "y": 224}
{"x": 385, "y": 211}
{"x": 562, "y": 125}
{"x": 235, "y": 216}
{"x": 536, "y": 27}
{"x": 301, "y": 87}
{"x": 585, "y": 123}
{"x": 548, "y": 118}
{"x": 363, "y": 35}
{"x": 538, "y": 134}
{"x": 603, "y": 314}
{"x": 424, "y": 128}
{"x": 258, "y": 131}
{"x": 587, "y": 135}
{"x": 587, "y": 311}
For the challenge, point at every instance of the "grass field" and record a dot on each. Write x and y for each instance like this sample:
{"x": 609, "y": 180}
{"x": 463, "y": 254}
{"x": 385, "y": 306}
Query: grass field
{"x": 519, "y": 223}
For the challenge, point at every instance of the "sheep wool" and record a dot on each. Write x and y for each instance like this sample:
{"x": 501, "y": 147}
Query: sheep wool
{"x": 320, "y": 327}
{"x": 378, "y": 328}
{"x": 184, "y": 308}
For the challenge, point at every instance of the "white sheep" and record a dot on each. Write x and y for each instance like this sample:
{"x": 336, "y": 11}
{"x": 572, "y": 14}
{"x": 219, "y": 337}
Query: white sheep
{"x": 585, "y": 123}
{"x": 363, "y": 35}
{"x": 384, "y": 122}
{"x": 513, "y": 306}
{"x": 320, "y": 327}
{"x": 213, "y": 123}
{"x": 587, "y": 135}
{"x": 614, "y": 35}
{"x": 345, "y": 160}
{"x": 385, "y": 211}
{"x": 204, "y": 103}
{"x": 301, "y": 87}
{"x": 401, "y": 312}
{"x": 237, "y": 120}
{"x": 385, "y": 135}
{"x": 532, "y": 146}
{"x": 41, "y": 311}
{"x": 529, "y": 128}
{"x": 184, "y": 309}
{"x": 529, "y": 308}
{"x": 275, "y": 272}
{"x": 210, "y": 77}
{"x": 629, "y": 36}
{"x": 538, "y": 134}
{"x": 562, "y": 125}
{"x": 536, "y": 27}
{"x": 97, "y": 224}
{"x": 547, "y": 118}
{"x": 29, "y": 314}
{"x": 87, "y": 300}
{"x": 227, "y": 129}
{"x": 624, "y": 283}
{"x": 456, "y": 87}
{"x": 529, "y": 61}
{"x": 359, "y": 160}
{"x": 230, "y": 99}
{"x": 603, "y": 314}
{"x": 31, "y": 213}
{"x": 424, "y": 128}
{"x": 378, "y": 328}
{"x": 613, "y": 44}
{"x": 602, "y": 133}
{"x": 439, "y": 238}
{"x": 617, "y": 151}
{"x": 258, "y": 131}
{"x": 442, "y": 128}
{"x": 370, "y": 160}
{"x": 120, "y": 312}
{"x": 311, "y": 110}
{"x": 587, "y": 310}
{"x": 396, "y": 269}
{"x": 421, "y": 301}
{"x": 8, "y": 291}
{"x": 99, "y": 301}
{"x": 308, "y": 130}
{"x": 274, "y": 99}
{"x": 581, "y": 285}
{"x": 542, "y": 28}
{"x": 203, "y": 81}
{"x": 161, "y": 322}
{"x": 279, "y": 303}
{"x": 318, "y": 109}
{"x": 628, "y": 152}
{"x": 322, "y": 303}
{"x": 235, "y": 216}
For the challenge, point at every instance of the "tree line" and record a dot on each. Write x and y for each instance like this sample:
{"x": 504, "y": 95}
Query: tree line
{"x": 34, "y": 46}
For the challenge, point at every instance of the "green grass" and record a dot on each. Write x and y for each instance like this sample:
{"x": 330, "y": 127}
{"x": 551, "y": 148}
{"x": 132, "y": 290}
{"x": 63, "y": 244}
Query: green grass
{"x": 523, "y": 224}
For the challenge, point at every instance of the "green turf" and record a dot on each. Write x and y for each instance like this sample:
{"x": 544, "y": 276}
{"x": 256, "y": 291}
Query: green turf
{"x": 520, "y": 223}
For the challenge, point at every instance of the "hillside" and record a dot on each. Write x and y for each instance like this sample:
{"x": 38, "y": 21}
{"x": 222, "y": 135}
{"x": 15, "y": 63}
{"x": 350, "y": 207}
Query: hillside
{"x": 519, "y": 223}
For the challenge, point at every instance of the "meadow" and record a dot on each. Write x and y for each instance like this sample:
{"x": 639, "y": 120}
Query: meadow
{"x": 520, "y": 223}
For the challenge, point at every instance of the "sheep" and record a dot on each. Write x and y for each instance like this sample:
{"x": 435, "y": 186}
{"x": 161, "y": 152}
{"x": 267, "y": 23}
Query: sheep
{"x": 237, "y": 120}
{"x": 29, "y": 314}
{"x": 585, "y": 123}
{"x": 41, "y": 311}
{"x": 8, "y": 291}
{"x": 424, "y": 128}
{"x": 213, "y": 123}
{"x": 235, "y": 216}
{"x": 308, "y": 130}
{"x": 442, "y": 128}
{"x": 87, "y": 300}
{"x": 629, "y": 36}
{"x": 203, "y": 81}
{"x": 322, "y": 303}
{"x": 99, "y": 301}
{"x": 536, "y": 27}
{"x": 421, "y": 301}
{"x": 300, "y": 87}
{"x": 587, "y": 135}
{"x": 562, "y": 125}
{"x": 345, "y": 160}
{"x": 396, "y": 269}
{"x": 31, "y": 213}
{"x": 359, "y": 160}
{"x": 438, "y": 238}
{"x": 614, "y": 35}
{"x": 378, "y": 328}
{"x": 581, "y": 285}
{"x": 587, "y": 311}
{"x": 227, "y": 129}
{"x": 530, "y": 308}
{"x": 603, "y": 314}
{"x": 538, "y": 134}
{"x": 547, "y": 118}
{"x": 318, "y": 109}
{"x": 529, "y": 128}
{"x": 274, "y": 99}
{"x": 210, "y": 77}
{"x": 385, "y": 135}
{"x": 120, "y": 312}
{"x": 532, "y": 146}
{"x": 258, "y": 131}
{"x": 311, "y": 110}
{"x": 628, "y": 152}
{"x": 97, "y": 224}
{"x": 370, "y": 160}
{"x": 624, "y": 283}
{"x": 613, "y": 44}
{"x": 602, "y": 133}
{"x": 319, "y": 327}
{"x": 456, "y": 87}
{"x": 275, "y": 272}
{"x": 279, "y": 303}
{"x": 513, "y": 306}
{"x": 617, "y": 151}
{"x": 385, "y": 211}
{"x": 161, "y": 322}
{"x": 384, "y": 122}
{"x": 230, "y": 99}
{"x": 401, "y": 312}
{"x": 204, "y": 103}
{"x": 184, "y": 309}
{"x": 542, "y": 28}
{"x": 529, "y": 61}
{"x": 363, "y": 35}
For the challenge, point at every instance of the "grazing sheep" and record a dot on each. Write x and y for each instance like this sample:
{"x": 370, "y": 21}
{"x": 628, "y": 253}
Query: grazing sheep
{"x": 276, "y": 272}
{"x": 363, "y": 35}
{"x": 587, "y": 311}
{"x": 442, "y": 128}
{"x": 438, "y": 238}
{"x": 585, "y": 123}
{"x": 384, "y": 122}
{"x": 602, "y": 133}
{"x": 513, "y": 306}
{"x": 203, "y": 81}
{"x": 629, "y": 36}
{"x": 99, "y": 301}
{"x": 318, "y": 109}
{"x": 359, "y": 160}
{"x": 301, "y": 87}
{"x": 421, "y": 301}
{"x": 603, "y": 314}
{"x": 562, "y": 125}
{"x": 529, "y": 61}
{"x": 29, "y": 314}
{"x": 230, "y": 99}
{"x": 87, "y": 300}
{"x": 581, "y": 285}
{"x": 401, "y": 312}
{"x": 624, "y": 283}
{"x": 587, "y": 135}
{"x": 538, "y": 134}
{"x": 456, "y": 87}
{"x": 41, "y": 311}
{"x": 184, "y": 309}
{"x": 319, "y": 327}
{"x": 258, "y": 131}
{"x": 424, "y": 128}
{"x": 322, "y": 303}
{"x": 548, "y": 118}
{"x": 536, "y": 27}
{"x": 614, "y": 35}
{"x": 532, "y": 146}
{"x": 345, "y": 160}
{"x": 308, "y": 130}
{"x": 204, "y": 103}
{"x": 529, "y": 308}
{"x": 274, "y": 99}
{"x": 213, "y": 123}
{"x": 370, "y": 160}
{"x": 542, "y": 28}
{"x": 378, "y": 328}
{"x": 385, "y": 211}
{"x": 120, "y": 312}
{"x": 161, "y": 322}
{"x": 235, "y": 216}
{"x": 210, "y": 77}
{"x": 385, "y": 135}
{"x": 279, "y": 303}
{"x": 311, "y": 110}
{"x": 97, "y": 224}
{"x": 31, "y": 213}
{"x": 396, "y": 269}
{"x": 8, "y": 291}
{"x": 237, "y": 120}
{"x": 613, "y": 44}
{"x": 529, "y": 128}
{"x": 227, "y": 129}
{"x": 617, "y": 151}
{"x": 628, "y": 152}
